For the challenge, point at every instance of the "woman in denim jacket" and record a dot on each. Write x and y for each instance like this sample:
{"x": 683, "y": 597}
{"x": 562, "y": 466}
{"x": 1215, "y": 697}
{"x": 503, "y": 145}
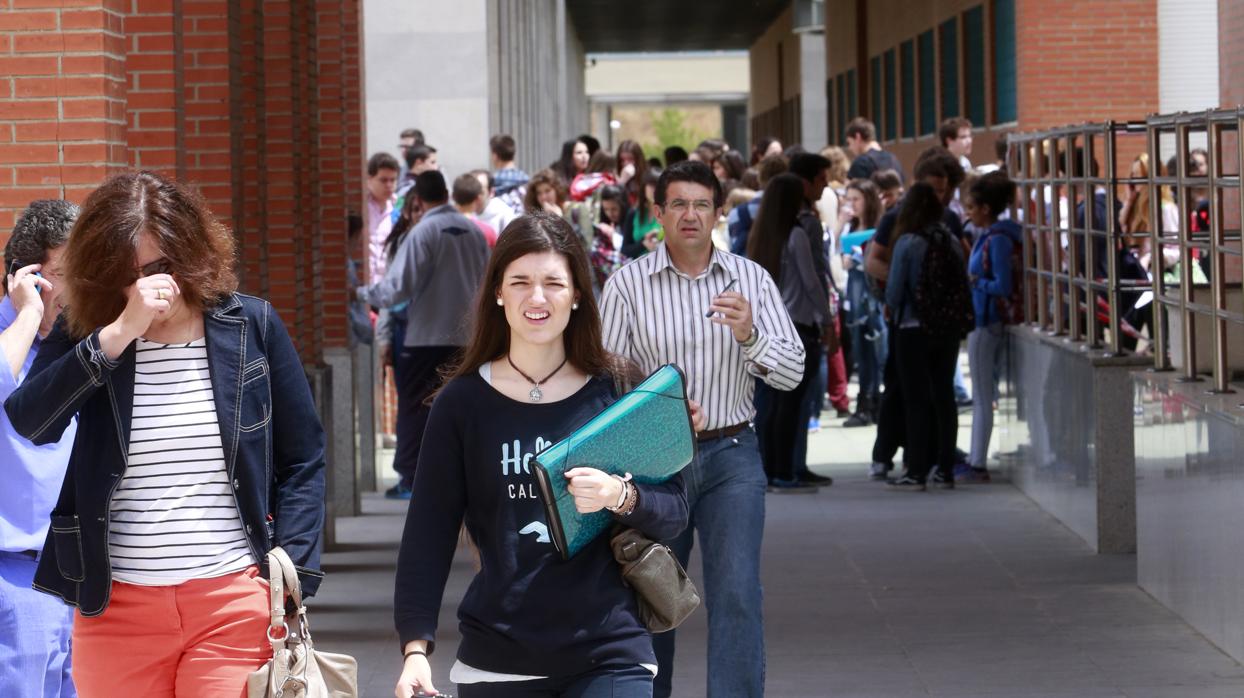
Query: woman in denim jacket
{"x": 198, "y": 448}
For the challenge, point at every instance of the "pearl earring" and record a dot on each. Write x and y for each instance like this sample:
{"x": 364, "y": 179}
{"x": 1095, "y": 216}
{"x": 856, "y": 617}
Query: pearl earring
{"x": 574, "y": 306}
{"x": 500, "y": 302}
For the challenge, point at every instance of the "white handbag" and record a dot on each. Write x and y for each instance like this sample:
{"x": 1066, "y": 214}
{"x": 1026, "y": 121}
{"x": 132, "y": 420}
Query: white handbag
{"x": 296, "y": 669}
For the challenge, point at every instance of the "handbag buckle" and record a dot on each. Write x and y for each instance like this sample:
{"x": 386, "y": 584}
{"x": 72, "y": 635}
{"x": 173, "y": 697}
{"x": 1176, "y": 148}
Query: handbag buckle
{"x": 281, "y": 633}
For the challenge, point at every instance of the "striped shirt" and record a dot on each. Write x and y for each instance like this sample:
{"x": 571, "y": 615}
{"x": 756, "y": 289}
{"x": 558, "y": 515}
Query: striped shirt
{"x": 655, "y": 314}
{"x": 173, "y": 515}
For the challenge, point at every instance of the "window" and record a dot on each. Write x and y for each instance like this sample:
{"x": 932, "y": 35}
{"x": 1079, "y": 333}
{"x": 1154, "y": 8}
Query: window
{"x": 907, "y": 85}
{"x": 841, "y": 89}
{"x": 891, "y": 100}
{"x": 974, "y": 64}
{"x": 874, "y": 89}
{"x": 853, "y": 104}
{"x": 949, "y": 36}
{"x": 1004, "y": 109}
{"x": 928, "y": 86}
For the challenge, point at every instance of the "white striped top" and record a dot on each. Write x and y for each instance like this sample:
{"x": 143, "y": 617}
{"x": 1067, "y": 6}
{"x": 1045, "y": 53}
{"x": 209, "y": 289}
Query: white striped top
{"x": 173, "y": 516}
{"x": 655, "y": 314}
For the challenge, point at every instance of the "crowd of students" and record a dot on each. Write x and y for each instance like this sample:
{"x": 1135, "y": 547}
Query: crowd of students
{"x": 162, "y": 436}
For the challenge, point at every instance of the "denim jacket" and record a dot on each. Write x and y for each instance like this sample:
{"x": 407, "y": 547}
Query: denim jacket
{"x": 272, "y": 438}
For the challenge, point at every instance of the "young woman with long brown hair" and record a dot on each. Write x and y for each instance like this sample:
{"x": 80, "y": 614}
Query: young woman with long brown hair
{"x": 535, "y": 369}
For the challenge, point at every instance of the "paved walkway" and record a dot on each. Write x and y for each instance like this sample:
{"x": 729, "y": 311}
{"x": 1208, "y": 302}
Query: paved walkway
{"x": 868, "y": 593}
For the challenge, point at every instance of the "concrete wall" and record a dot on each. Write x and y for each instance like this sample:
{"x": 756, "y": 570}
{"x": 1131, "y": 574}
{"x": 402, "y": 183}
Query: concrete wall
{"x": 1068, "y": 435}
{"x": 1189, "y": 485}
{"x": 427, "y": 69}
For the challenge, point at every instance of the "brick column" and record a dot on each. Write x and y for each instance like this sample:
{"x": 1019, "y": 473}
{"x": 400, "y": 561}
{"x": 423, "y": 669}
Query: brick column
{"x": 155, "y": 99}
{"x": 1231, "y": 51}
{"x": 62, "y": 92}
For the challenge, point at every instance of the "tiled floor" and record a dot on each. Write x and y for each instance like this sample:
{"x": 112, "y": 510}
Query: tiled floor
{"x": 973, "y": 592}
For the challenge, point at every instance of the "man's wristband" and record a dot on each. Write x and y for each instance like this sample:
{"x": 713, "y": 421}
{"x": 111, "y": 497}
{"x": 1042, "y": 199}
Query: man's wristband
{"x": 419, "y": 652}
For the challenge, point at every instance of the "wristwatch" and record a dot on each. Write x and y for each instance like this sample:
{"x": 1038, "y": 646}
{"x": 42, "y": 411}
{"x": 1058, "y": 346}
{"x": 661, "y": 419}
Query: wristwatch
{"x": 751, "y": 338}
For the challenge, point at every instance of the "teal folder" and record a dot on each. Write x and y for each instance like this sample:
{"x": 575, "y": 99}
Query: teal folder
{"x": 646, "y": 433}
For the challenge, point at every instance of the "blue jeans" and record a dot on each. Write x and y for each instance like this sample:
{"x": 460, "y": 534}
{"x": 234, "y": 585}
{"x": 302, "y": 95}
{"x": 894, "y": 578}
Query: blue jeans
{"x": 867, "y": 320}
{"x": 608, "y": 682}
{"x": 34, "y": 635}
{"x": 726, "y": 492}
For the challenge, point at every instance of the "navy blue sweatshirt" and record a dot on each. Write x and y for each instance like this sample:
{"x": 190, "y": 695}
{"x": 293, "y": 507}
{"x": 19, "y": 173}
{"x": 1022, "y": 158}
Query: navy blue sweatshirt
{"x": 527, "y": 611}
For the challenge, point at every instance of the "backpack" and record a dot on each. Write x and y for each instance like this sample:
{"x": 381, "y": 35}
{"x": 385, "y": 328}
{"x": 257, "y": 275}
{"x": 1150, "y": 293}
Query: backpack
{"x": 1010, "y": 308}
{"x": 943, "y": 297}
{"x": 740, "y": 230}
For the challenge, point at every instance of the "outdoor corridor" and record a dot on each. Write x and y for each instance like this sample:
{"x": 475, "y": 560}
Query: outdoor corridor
{"x": 870, "y": 593}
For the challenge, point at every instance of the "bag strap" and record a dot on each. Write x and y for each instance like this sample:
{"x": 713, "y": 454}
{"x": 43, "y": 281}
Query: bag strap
{"x": 283, "y": 579}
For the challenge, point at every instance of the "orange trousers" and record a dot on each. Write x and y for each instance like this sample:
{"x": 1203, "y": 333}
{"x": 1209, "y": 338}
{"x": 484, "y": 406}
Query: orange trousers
{"x": 200, "y": 638}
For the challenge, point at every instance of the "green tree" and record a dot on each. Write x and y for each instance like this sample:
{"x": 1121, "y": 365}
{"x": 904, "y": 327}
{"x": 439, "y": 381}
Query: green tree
{"x": 670, "y": 126}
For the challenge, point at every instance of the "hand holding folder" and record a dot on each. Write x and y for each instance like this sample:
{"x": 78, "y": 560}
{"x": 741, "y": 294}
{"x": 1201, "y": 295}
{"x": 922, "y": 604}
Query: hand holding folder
{"x": 647, "y": 433}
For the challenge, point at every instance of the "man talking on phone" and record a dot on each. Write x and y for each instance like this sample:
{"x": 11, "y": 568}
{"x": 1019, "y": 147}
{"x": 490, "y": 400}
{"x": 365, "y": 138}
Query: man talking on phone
{"x": 34, "y": 650}
{"x": 720, "y": 318}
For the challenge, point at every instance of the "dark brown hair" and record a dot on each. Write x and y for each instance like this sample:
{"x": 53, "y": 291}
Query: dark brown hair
{"x": 949, "y": 130}
{"x": 862, "y": 128}
{"x": 872, "y": 203}
{"x": 536, "y": 233}
{"x": 777, "y": 217}
{"x": 102, "y": 255}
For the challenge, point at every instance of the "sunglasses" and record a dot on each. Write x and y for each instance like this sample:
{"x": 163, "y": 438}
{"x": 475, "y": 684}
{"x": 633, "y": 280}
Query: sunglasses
{"x": 160, "y": 266}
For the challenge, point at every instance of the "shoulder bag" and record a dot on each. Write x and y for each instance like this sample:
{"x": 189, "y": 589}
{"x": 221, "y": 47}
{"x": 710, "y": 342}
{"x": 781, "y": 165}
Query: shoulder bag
{"x": 296, "y": 669}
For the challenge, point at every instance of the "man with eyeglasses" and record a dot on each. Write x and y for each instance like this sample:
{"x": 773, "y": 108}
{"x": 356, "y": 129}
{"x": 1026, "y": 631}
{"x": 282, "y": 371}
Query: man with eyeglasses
{"x": 721, "y": 319}
{"x": 34, "y": 637}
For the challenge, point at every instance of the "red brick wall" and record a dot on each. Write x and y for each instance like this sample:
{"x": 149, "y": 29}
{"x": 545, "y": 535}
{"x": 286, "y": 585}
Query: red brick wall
{"x": 62, "y": 91}
{"x": 1085, "y": 61}
{"x": 1231, "y": 51}
{"x": 257, "y": 103}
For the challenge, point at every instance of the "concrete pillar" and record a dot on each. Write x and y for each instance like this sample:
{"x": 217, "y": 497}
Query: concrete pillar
{"x": 428, "y": 70}
{"x": 814, "y": 110}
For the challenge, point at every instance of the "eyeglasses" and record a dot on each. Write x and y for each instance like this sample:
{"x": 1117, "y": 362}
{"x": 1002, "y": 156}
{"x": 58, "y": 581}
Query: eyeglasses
{"x": 159, "y": 266}
{"x": 680, "y": 206}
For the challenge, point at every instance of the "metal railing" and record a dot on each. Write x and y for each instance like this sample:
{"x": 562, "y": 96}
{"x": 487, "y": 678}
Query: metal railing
{"x": 1218, "y": 194}
{"x": 1072, "y": 284}
{"x": 1075, "y": 250}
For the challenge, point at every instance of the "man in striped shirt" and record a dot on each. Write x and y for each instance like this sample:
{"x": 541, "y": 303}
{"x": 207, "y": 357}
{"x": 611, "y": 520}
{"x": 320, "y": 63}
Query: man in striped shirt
{"x": 721, "y": 319}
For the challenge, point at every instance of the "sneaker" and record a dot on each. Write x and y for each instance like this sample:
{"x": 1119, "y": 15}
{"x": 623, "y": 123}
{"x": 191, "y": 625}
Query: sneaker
{"x": 814, "y": 425}
{"x": 906, "y": 483}
{"x": 780, "y": 486}
{"x": 878, "y": 471}
{"x": 859, "y": 419}
{"x": 973, "y": 476}
{"x": 943, "y": 481}
{"x": 813, "y": 479}
{"x": 398, "y": 491}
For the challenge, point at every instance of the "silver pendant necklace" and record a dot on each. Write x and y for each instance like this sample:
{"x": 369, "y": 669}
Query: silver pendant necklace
{"x": 536, "y": 395}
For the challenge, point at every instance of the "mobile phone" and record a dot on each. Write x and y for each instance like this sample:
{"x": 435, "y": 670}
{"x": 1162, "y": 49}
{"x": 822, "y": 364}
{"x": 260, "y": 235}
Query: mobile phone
{"x": 15, "y": 265}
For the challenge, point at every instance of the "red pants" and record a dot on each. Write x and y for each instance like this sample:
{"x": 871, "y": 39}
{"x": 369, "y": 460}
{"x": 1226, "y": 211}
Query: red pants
{"x": 200, "y": 638}
{"x": 837, "y": 387}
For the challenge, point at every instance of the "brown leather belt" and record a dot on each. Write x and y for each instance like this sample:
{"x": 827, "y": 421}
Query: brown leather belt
{"x": 722, "y": 433}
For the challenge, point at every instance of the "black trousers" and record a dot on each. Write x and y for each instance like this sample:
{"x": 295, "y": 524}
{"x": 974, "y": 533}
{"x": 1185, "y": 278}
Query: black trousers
{"x": 418, "y": 375}
{"x": 782, "y": 424}
{"x": 926, "y": 368}
{"x": 891, "y": 417}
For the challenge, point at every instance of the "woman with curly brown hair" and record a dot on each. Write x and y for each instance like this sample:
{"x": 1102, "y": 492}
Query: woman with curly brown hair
{"x": 545, "y": 192}
{"x": 198, "y": 448}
